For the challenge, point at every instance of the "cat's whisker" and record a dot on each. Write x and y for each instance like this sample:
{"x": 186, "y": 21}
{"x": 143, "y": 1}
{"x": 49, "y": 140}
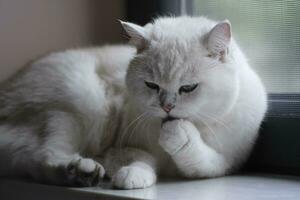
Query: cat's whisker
{"x": 213, "y": 133}
{"x": 131, "y": 123}
{"x": 147, "y": 135}
{"x": 217, "y": 121}
{"x": 142, "y": 119}
{"x": 122, "y": 136}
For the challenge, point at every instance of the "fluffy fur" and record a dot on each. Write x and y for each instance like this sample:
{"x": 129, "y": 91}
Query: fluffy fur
{"x": 68, "y": 116}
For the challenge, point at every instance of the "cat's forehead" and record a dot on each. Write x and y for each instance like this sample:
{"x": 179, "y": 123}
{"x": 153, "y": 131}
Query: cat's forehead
{"x": 183, "y": 28}
{"x": 174, "y": 62}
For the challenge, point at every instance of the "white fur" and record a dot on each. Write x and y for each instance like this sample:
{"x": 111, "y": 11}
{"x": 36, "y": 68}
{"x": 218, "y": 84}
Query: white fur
{"x": 60, "y": 108}
{"x": 216, "y": 125}
{"x": 74, "y": 106}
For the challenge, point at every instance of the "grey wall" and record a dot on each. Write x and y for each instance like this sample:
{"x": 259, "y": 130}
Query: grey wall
{"x": 31, "y": 28}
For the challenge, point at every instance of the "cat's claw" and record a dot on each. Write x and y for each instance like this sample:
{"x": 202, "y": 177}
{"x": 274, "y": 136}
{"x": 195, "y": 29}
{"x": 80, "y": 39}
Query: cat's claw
{"x": 84, "y": 172}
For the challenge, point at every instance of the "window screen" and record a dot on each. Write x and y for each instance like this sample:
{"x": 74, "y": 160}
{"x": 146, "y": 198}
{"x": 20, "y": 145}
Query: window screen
{"x": 268, "y": 32}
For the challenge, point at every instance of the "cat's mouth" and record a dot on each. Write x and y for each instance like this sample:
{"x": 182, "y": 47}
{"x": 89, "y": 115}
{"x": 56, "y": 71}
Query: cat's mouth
{"x": 168, "y": 118}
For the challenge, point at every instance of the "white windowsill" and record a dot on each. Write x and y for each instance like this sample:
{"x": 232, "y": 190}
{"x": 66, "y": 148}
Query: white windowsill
{"x": 237, "y": 187}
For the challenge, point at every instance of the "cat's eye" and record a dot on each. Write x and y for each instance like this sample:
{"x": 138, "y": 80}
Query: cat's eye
{"x": 188, "y": 88}
{"x": 152, "y": 86}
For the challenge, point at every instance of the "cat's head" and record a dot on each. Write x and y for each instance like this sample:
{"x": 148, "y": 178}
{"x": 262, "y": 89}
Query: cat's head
{"x": 183, "y": 68}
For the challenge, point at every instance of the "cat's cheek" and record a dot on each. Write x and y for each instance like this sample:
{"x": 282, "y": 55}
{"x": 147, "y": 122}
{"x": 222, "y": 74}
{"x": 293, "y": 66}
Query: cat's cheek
{"x": 189, "y": 104}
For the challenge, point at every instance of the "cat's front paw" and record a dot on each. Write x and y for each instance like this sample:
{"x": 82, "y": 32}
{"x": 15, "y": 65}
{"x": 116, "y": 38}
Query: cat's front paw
{"x": 84, "y": 172}
{"x": 173, "y": 136}
{"x": 133, "y": 177}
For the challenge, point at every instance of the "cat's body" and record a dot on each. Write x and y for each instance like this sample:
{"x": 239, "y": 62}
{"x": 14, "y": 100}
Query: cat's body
{"x": 65, "y": 104}
{"x": 192, "y": 107}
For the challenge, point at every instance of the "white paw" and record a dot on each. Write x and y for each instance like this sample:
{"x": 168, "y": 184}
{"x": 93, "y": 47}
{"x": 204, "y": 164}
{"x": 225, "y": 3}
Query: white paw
{"x": 173, "y": 136}
{"x": 133, "y": 177}
{"x": 85, "y": 172}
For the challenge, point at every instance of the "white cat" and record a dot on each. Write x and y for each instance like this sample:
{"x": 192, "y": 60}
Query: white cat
{"x": 192, "y": 107}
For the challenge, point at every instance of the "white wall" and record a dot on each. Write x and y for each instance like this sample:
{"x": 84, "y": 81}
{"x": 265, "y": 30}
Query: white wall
{"x": 31, "y": 28}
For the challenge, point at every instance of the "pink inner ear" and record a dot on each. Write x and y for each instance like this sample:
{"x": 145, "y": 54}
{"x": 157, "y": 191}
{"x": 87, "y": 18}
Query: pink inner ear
{"x": 222, "y": 30}
{"x": 219, "y": 39}
{"x": 226, "y": 30}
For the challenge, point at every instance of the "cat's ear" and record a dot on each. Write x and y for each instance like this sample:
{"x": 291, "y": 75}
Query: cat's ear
{"x": 219, "y": 39}
{"x": 137, "y": 35}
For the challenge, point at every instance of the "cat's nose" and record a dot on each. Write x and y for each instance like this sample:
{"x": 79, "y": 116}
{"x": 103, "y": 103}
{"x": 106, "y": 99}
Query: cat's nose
{"x": 168, "y": 107}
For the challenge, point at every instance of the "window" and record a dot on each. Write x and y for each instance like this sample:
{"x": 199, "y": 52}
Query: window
{"x": 268, "y": 32}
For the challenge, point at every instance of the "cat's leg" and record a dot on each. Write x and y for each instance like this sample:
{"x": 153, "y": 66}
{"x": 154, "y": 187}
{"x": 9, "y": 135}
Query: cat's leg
{"x": 59, "y": 158}
{"x": 130, "y": 168}
{"x": 193, "y": 157}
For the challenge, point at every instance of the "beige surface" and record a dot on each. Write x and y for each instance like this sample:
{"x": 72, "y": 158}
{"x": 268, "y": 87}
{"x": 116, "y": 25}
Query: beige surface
{"x": 31, "y": 28}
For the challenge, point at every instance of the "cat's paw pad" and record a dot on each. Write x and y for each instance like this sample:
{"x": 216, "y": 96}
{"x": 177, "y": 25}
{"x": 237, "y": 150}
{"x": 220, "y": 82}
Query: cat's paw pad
{"x": 131, "y": 177}
{"x": 173, "y": 136}
{"x": 85, "y": 172}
